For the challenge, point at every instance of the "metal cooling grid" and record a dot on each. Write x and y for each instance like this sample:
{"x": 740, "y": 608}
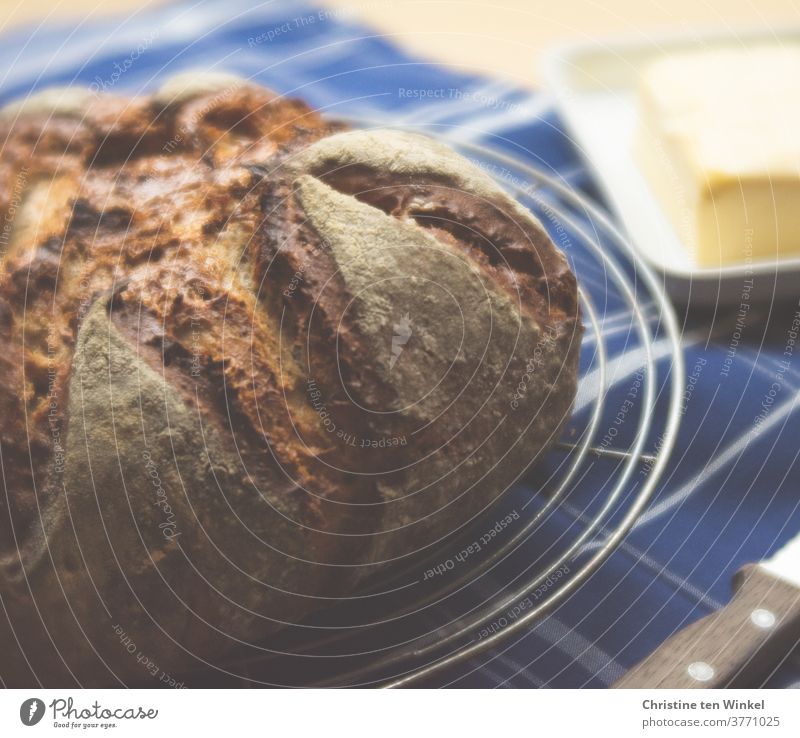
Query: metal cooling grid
{"x": 620, "y": 297}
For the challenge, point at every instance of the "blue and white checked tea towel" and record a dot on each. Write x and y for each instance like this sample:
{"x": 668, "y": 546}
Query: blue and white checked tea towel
{"x": 731, "y": 493}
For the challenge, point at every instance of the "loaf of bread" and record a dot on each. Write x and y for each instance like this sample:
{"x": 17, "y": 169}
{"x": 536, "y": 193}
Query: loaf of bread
{"x": 248, "y": 358}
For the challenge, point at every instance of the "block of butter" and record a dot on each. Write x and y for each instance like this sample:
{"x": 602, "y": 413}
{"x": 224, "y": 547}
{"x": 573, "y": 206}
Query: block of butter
{"x": 719, "y": 141}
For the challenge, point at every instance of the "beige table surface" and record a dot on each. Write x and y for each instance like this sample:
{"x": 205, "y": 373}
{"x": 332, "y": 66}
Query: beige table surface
{"x": 500, "y": 37}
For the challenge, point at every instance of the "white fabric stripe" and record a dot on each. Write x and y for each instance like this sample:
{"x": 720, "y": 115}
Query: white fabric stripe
{"x": 720, "y": 461}
{"x": 435, "y": 112}
{"x": 524, "y": 111}
{"x": 625, "y": 365}
{"x": 646, "y": 560}
{"x": 519, "y": 671}
{"x": 574, "y": 172}
{"x": 608, "y": 331}
{"x": 595, "y": 544}
{"x": 336, "y": 47}
{"x": 484, "y": 670}
{"x": 591, "y": 657}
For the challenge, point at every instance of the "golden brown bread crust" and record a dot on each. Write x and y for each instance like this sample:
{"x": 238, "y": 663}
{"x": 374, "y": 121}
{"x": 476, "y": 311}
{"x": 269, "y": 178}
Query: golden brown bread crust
{"x": 228, "y": 374}
{"x": 129, "y": 194}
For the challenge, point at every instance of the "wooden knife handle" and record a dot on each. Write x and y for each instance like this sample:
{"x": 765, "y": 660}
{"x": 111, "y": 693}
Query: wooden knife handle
{"x": 732, "y": 647}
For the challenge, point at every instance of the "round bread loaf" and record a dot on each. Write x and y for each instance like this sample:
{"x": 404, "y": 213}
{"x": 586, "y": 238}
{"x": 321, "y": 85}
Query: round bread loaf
{"x": 247, "y": 359}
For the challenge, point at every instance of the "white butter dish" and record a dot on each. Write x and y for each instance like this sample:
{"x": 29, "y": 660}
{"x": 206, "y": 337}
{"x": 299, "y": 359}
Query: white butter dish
{"x": 595, "y": 86}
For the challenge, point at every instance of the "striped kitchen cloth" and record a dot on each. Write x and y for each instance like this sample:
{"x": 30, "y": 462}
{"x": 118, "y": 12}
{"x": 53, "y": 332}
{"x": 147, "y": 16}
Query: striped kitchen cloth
{"x": 730, "y": 494}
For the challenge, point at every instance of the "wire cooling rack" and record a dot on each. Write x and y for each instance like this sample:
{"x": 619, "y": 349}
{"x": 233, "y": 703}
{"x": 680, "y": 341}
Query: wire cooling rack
{"x": 521, "y": 559}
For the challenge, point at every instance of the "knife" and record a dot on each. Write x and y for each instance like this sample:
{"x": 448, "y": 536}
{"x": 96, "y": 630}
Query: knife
{"x": 736, "y": 645}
